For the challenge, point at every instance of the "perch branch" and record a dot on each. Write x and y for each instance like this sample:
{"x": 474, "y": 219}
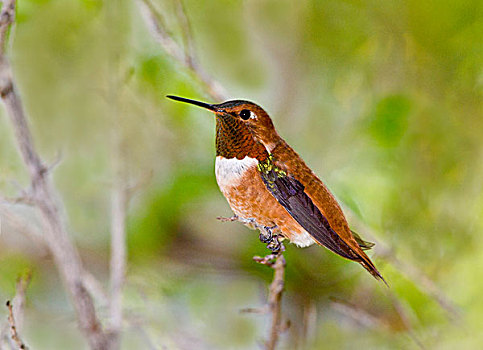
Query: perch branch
{"x": 13, "y": 328}
{"x": 275, "y": 301}
{"x": 18, "y": 302}
{"x": 16, "y": 310}
{"x": 274, "y": 305}
{"x": 45, "y": 197}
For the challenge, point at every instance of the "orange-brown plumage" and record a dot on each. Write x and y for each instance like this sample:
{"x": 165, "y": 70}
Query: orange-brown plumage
{"x": 269, "y": 186}
{"x": 287, "y": 159}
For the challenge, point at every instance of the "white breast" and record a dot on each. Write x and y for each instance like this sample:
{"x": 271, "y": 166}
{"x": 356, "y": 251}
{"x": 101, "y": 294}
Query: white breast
{"x": 302, "y": 240}
{"x": 229, "y": 172}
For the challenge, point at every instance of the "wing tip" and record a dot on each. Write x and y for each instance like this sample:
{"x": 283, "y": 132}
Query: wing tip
{"x": 374, "y": 272}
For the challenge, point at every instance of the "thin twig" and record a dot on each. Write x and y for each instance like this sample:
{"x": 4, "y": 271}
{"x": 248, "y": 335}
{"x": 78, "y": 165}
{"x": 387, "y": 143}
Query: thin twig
{"x": 7, "y": 18}
{"x": 45, "y": 197}
{"x": 143, "y": 181}
{"x": 275, "y": 301}
{"x": 16, "y": 310}
{"x": 18, "y": 302}
{"x": 366, "y": 319}
{"x": 422, "y": 281}
{"x": 13, "y": 328}
{"x": 171, "y": 47}
{"x": 22, "y": 199}
{"x": 95, "y": 288}
{"x": 186, "y": 32}
{"x": 119, "y": 202}
{"x": 119, "y": 197}
{"x": 401, "y": 310}
{"x": 274, "y": 306}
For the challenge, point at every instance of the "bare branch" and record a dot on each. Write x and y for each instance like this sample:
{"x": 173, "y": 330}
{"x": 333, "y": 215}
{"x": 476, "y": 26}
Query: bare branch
{"x": 13, "y": 327}
{"x": 160, "y": 34}
{"x": 401, "y": 310}
{"x": 359, "y": 315}
{"x": 275, "y": 301}
{"x": 274, "y": 305}
{"x": 120, "y": 197}
{"x": 144, "y": 180}
{"x": 189, "y": 48}
{"x": 7, "y": 18}
{"x": 22, "y": 199}
{"x": 423, "y": 282}
{"x": 95, "y": 288}
{"x": 119, "y": 202}
{"x": 16, "y": 311}
{"x": 18, "y": 302}
{"x": 45, "y": 197}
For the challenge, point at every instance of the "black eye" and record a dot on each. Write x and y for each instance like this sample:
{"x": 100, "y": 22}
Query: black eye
{"x": 245, "y": 114}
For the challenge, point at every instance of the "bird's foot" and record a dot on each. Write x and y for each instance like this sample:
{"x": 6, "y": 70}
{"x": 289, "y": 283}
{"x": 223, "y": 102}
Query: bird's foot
{"x": 266, "y": 233}
{"x": 270, "y": 259}
{"x": 276, "y": 245}
{"x": 265, "y": 237}
{"x": 271, "y": 239}
{"x": 230, "y": 219}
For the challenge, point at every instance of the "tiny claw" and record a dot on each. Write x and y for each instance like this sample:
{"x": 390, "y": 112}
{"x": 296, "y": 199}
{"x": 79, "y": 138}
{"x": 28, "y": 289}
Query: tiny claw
{"x": 276, "y": 246}
{"x": 230, "y": 219}
{"x": 265, "y": 238}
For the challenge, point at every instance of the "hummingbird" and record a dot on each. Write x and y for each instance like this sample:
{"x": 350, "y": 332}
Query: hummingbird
{"x": 270, "y": 188}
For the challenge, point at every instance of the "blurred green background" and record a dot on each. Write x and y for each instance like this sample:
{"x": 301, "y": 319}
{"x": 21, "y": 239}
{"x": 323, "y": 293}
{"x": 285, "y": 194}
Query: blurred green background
{"x": 381, "y": 98}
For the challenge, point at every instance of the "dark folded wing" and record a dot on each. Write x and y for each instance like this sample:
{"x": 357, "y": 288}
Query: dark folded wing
{"x": 290, "y": 193}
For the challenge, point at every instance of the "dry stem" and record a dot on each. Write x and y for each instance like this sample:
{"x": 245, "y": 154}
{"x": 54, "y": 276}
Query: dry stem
{"x": 13, "y": 327}
{"x": 275, "y": 301}
{"x": 424, "y": 283}
{"x": 45, "y": 197}
{"x": 274, "y": 305}
{"x": 184, "y": 56}
{"x": 16, "y": 309}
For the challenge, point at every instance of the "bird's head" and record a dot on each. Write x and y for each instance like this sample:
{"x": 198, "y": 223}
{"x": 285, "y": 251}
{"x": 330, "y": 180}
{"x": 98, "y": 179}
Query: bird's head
{"x": 239, "y": 116}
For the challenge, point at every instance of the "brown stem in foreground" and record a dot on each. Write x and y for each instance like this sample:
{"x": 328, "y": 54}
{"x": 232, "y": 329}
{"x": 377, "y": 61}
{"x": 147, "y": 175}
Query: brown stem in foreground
{"x": 13, "y": 328}
{"x": 275, "y": 301}
{"x": 45, "y": 198}
{"x": 16, "y": 309}
{"x": 275, "y": 293}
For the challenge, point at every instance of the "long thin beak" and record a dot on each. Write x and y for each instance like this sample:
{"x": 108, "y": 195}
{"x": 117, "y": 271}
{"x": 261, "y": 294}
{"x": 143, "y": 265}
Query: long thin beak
{"x": 193, "y": 102}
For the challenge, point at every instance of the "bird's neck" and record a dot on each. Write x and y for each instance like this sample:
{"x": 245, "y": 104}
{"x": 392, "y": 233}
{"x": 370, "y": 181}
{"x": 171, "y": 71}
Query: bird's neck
{"x": 234, "y": 140}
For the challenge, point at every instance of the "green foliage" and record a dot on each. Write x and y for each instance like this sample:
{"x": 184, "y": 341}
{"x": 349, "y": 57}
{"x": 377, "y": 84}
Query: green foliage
{"x": 383, "y": 101}
{"x": 389, "y": 121}
{"x": 157, "y": 223}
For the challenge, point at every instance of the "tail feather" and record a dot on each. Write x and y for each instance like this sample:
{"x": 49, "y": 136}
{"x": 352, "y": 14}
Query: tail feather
{"x": 365, "y": 245}
{"x": 369, "y": 266}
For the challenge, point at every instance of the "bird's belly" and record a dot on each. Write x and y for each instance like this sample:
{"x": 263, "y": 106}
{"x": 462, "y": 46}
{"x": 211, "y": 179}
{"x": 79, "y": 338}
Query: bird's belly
{"x": 242, "y": 185}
